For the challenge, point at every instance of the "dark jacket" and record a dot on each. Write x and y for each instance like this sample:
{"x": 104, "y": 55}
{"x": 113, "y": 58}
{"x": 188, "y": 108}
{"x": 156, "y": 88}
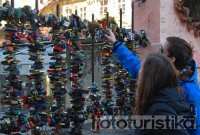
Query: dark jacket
{"x": 191, "y": 86}
{"x": 167, "y": 102}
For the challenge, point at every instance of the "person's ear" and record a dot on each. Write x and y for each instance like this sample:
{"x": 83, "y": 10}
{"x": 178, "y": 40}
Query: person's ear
{"x": 173, "y": 59}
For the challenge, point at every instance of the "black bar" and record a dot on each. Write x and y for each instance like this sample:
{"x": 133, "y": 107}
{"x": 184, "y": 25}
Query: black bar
{"x": 76, "y": 12}
{"x": 92, "y": 58}
{"x": 92, "y": 17}
{"x": 132, "y": 16}
{"x": 89, "y": 44}
{"x": 58, "y": 10}
{"x": 12, "y": 4}
{"x": 107, "y": 19}
{"x": 36, "y": 5}
{"x": 120, "y": 18}
{"x": 92, "y": 53}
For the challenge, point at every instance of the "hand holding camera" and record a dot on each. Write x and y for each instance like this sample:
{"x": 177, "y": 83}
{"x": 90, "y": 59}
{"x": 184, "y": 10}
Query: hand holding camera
{"x": 110, "y": 36}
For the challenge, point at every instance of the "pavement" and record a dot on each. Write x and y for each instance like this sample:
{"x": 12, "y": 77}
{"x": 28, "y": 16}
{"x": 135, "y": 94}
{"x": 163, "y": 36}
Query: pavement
{"x": 86, "y": 131}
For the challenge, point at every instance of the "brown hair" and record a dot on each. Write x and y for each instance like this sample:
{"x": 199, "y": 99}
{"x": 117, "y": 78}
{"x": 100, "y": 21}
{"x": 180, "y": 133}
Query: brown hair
{"x": 157, "y": 73}
{"x": 181, "y": 50}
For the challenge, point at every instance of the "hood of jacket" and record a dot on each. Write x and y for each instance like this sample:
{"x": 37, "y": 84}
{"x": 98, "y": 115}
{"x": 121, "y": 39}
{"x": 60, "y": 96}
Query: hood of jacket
{"x": 175, "y": 100}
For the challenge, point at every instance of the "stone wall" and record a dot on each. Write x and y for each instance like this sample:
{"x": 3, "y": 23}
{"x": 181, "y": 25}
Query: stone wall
{"x": 147, "y": 17}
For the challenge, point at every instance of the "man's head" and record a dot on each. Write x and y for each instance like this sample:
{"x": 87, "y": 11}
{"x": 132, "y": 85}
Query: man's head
{"x": 178, "y": 50}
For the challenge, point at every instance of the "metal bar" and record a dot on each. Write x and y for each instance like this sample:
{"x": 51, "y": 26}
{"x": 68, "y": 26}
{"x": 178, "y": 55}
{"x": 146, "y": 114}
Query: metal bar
{"x": 58, "y": 10}
{"x": 82, "y": 45}
{"x": 132, "y": 26}
{"x": 92, "y": 17}
{"x": 107, "y": 19}
{"x": 12, "y": 3}
{"x": 36, "y": 5}
{"x": 28, "y": 44}
{"x": 120, "y": 18}
{"x": 50, "y": 44}
{"x": 92, "y": 54}
{"x": 92, "y": 59}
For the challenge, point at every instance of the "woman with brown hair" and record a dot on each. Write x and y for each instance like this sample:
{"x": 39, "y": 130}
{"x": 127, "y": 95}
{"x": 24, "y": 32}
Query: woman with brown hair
{"x": 158, "y": 93}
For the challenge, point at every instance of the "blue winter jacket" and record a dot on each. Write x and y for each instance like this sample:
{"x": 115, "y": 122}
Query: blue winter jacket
{"x": 191, "y": 87}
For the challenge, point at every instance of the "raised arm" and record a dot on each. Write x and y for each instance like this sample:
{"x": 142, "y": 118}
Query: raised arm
{"x": 129, "y": 61}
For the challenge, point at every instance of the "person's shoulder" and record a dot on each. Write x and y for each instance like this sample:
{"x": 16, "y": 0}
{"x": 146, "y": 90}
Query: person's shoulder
{"x": 160, "y": 108}
{"x": 190, "y": 86}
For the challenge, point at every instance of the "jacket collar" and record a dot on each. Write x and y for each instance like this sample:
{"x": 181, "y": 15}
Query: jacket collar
{"x": 194, "y": 75}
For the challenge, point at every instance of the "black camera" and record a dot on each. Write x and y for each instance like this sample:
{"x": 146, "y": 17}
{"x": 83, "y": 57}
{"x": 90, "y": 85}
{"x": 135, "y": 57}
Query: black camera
{"x": 104, "y": 32}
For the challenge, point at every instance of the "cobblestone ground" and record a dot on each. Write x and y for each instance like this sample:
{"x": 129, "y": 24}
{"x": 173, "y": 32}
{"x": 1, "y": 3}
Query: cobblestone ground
{"x": 86, "y": 131}
{"x": 87, "y": 127}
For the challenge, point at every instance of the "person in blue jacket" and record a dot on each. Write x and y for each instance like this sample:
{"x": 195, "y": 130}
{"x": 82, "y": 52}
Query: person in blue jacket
{"x": 180, "y": 53}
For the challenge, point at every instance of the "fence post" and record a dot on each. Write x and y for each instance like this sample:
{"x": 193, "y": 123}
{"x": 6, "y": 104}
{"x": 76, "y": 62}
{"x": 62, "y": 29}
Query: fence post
{"x": 36, "y": 5}
{"x": 107, "y": 19}
{"x": 120, "y": 18}
{"x": 132, "y": 26}
{"x": 93, "y": 53}
{"x": 12, "y": 4}
{"x": 58, "y": 10}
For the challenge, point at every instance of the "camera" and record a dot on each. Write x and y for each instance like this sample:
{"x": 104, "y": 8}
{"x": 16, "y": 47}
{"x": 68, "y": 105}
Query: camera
{"x": 104, "y": 32}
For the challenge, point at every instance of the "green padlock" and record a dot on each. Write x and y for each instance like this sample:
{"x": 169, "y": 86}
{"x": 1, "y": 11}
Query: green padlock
{"x": 82, "y": 67}
{"x": 17, "y": 13}
{"x": 15, "y": 112}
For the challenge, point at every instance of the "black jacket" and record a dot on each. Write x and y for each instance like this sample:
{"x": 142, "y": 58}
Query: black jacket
{"x": 167, "y": 102}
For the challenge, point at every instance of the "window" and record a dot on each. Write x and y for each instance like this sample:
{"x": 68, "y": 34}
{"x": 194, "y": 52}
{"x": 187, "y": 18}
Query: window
{"x": 101, "y": 11}
{"x": 84, "y": 8}
{"x": 105, "y": 2}
{"x": 193, "y": 9}
{"x": 119, "y": 1}
{"x": 123, "y": 8}
{"x": 105, "y": 9}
